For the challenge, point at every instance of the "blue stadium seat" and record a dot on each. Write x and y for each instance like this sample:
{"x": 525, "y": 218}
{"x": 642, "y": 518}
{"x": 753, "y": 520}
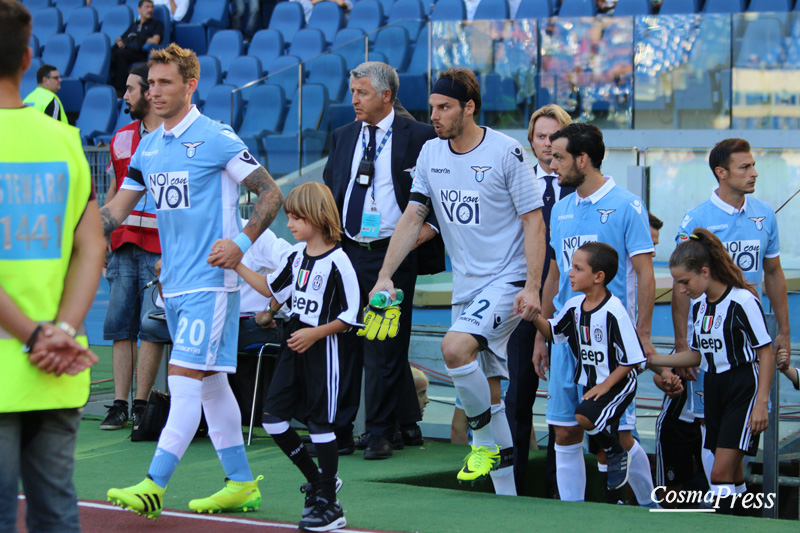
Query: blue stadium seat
{"x": 210, "y": 76}
{"x": 226, "y": 45}
{"x": 242, "y": 71}
{"x": 103, "y": 6}
{"x": 723, "y": 6}
{"x": 46, "y": 23}
{"x": 264, "y": 115}
{"x": 367, "y": 15}
{"x": 498, "y": 93}
{"x": 679, "y": 7}
{"x": 82, "y": 22}
{"x": 408, "y": 14}
{"x": 578, "y": 8}
{"x": 691, "y": 93}
{"x": 492, "y": 10}
{"x": 267, "y": 46}
{"x": 414, "y": 84}
{"x": 59, "y": 51}
{"x": 777, "y": 6}
{"x": 329, "y": 70}
{"x": 534, "y": 9}
{"x": 307, "y": 43}
{"x": 210, "y": 14}
{"x": 33, "y": 42}
{"x": 328, "y": 18}
{"x": 449, "y": 10}
{"x": 36, "y": 5}
{"x": 162, "y": 13}
{"x": 349, "y": 43}
{"x": 287, "y": 18}
{"x": 116, "y": 21}
{"x": 393, "y": 42}
{"x": 123, "y": 119}
{"x": 635, "y": 8}
{"x": 93, "y": 60}
{"x": 68, "y": 6}
{"x": 218, "y": 106}
{"x": 197, "y": 30}
{"x": 284, "y": 73}
{"x": 387, "y": 6}
{"x": 192, "y": 36}
{"x": 761, "y": 45}
{"x": 98, "y": 113}
{"x": 282, "y": 149}
{"x": 29, "y": 78}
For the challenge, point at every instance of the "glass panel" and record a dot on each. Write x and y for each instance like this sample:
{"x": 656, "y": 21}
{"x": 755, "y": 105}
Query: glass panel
{"x": 586, "y": 68}
{"x": 766, "y": 72}
{"x": 683, "y": 72}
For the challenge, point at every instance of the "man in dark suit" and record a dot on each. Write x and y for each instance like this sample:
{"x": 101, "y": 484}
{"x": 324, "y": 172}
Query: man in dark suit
{"x": 369, "y": 170}
{"x": 523, "y": 381}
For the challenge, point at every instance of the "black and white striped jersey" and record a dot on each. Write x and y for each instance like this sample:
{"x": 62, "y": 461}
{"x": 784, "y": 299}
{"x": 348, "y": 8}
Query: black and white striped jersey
{"x": 728, "y": 331}
{"x": 318, "y": 289}
{"x": 601, "y": 339}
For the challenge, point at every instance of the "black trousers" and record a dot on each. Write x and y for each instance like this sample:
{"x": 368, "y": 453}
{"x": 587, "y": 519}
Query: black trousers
{"x": 122, "y": 59}
{"x": 390, "y": 394}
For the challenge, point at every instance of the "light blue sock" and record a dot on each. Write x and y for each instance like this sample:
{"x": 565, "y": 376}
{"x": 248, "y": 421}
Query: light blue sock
{"x": 234, "y": 462}
{"x": 162, "y": 467}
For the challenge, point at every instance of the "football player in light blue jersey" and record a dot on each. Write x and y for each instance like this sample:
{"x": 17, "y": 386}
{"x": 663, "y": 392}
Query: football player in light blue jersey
{"x": 601, "y": 211}
{"x": 749, "y": 230}
{"x": 192, "y": 167}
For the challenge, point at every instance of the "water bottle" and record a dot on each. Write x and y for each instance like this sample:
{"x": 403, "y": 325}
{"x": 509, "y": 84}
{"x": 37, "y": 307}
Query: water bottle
{"x": 382, "y": 300}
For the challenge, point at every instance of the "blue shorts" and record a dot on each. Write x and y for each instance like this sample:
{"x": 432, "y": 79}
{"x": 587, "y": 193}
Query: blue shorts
{"x": 697, "y": 394}
{"x": 129, "y": 269}
{"x": 563, "y": 394}
{"x": 204, "y": 327}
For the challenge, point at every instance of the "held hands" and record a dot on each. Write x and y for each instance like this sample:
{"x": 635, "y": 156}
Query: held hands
{"x": 526, "y": 304}
{"x": 673, "y": 386}
{"x": 55, "y": 352}
{"x": 380, "y": 323}
{"x": 225, "y": 254}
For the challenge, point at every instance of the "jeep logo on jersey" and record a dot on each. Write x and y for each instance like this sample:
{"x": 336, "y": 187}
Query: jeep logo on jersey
{"x": 746, "y": 254}
{"x": 758, "y": 222}
{"x": 461, "y": 207}
{"x": 304, "y": 305}
{"x": 191, "y": 148}
{"x": 710, "y": 344}
{"x": 170, "y": 190}
{"x": 480, "y": 172}
{"x": 568, "y": 247}
{"x": 516, "y": 152}
{"x": 592, "y": 357}
{"x": 604, "y": 214}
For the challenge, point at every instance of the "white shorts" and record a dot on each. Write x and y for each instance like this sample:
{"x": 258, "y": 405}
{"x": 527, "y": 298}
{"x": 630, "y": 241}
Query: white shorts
{"x": 490, "y": 318}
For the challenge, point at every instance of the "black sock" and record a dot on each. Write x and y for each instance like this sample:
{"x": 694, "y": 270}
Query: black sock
{"x": 328, "y": 456}
{"x": 612, "y": 496}
{"x": 141, "y": 403}
{"x": 289, "y": 441}
{"x": 122, "y": 403}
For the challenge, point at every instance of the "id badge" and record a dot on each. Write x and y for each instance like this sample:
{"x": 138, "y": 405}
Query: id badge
{"x": 370, "y": 223}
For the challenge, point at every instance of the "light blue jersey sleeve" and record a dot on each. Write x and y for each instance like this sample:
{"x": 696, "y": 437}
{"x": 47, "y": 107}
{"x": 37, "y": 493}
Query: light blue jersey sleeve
{"x": 774, "y": 242}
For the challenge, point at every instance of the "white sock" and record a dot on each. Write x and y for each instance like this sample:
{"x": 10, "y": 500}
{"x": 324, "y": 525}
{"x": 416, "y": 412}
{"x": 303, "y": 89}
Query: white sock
{"x": 473, "y": 389}
{"x": 706, "y": 456}
{"x": 570, "y": 472}
{"x": 503, "y": 478}
{"x": 640, "y": 478}
{"x": 741, "y": 488}
{"x": 222, "y": 412}
{"x": 184, "y": 415}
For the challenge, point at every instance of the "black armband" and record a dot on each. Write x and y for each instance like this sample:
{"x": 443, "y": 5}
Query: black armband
{"x": 420, "y": 199}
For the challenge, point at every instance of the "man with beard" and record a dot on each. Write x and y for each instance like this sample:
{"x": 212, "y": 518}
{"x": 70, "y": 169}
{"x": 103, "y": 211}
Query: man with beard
{"x": 600, "y": 211}
{"x": 480, "y": 186}
{"x": 135, "y": 248}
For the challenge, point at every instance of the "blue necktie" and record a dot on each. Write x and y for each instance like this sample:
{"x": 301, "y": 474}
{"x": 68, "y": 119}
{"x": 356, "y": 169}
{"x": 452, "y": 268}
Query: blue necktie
{"x": 549, "y": 197}
{"x": 355, "y": 206}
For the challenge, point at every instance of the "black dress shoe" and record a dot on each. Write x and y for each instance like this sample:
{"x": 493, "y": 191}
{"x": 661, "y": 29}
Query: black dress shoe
{"x": 362, "y": 442}
{"x": 397, "y": 441}
{"x": 412, "y": 436}
{"x": 378, "y": 448}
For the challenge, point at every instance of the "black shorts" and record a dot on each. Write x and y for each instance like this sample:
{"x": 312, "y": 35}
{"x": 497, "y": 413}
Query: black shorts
{"x": 730, "y": 398}
{"x": 605, "y": 412}
{"x": 305, "y": 386}
{"x": 678, "y": 446}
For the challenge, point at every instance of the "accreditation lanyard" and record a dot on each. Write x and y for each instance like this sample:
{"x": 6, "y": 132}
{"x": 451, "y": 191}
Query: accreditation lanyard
{"x": 378, "y": 151}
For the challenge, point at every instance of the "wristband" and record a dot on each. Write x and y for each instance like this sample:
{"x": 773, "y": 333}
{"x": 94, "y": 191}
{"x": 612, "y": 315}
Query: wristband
{"x": 66, "y": 328}
{"x": 271, "y": 311}
{"x": 243, "y": 242}
{"x": 32, "y": 339}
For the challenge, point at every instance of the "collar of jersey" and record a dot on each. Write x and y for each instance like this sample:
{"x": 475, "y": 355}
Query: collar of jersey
{"x": 599, "y": 193}
{"x": 728, "y": 208}
{"x": 183, "y": 125}
{"x": 383, "y": 125}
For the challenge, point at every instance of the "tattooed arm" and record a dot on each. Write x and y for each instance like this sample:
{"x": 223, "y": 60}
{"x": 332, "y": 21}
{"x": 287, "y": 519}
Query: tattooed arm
{"x": 225, "y": 253}
{"x": 114, "y": 212}
{"x": 404, "y": 239}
